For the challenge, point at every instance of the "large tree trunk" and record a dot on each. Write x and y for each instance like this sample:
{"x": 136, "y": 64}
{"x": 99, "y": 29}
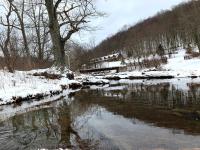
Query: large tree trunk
{"x": 54, "y": 27}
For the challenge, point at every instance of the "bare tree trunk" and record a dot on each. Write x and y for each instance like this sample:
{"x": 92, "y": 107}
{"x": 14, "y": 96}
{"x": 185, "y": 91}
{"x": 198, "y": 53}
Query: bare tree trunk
{"x": 8, "y": 60}
{"x": 4, "y": 45}
{"x": 55, "y": 34}
{"x": 37, "y": 27}
{"x": 65, "y": 18}
{"x": 21, "y": 24}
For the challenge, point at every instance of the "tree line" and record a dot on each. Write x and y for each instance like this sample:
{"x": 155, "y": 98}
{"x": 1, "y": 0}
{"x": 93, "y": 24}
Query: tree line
{"x": 173, "y": 28}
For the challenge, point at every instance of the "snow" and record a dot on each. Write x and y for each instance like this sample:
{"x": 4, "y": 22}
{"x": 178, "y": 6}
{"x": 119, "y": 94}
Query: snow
{"x": 92, "y": 79}
{"x": 112, "y": 64}
{"x": 52, "y": 70}
{"x": 176, "y": 67}
{"x": 180, "y": 65}
{"x": 23, "y": 84}
{"x": 104, "y": 58}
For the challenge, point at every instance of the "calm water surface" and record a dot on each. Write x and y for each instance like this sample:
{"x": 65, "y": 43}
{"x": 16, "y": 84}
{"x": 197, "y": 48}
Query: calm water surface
{"x": 127, "y": 115}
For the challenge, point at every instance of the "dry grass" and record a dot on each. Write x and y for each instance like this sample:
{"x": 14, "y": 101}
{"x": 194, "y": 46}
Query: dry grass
{"x": 191, "y": 55}
{"x": 25, "y": 64}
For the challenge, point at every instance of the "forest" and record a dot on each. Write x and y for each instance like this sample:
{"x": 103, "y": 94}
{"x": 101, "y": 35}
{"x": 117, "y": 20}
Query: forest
{"x": 37, "y": 33}
{"x": 178, "y": 27}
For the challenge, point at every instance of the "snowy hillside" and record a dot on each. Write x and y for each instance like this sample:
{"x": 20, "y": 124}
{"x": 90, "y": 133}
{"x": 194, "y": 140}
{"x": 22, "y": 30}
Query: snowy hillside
{"x": 179, "y": 64}
{"x": 176, "y": 67}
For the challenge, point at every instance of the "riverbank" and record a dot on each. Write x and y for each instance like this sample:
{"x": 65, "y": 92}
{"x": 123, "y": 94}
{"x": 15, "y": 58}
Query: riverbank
{"x": 25, "y": 85}
{"x": 39, "y": 84}
{"x": 164, "y": 111}
{"x": 177, "y": 67}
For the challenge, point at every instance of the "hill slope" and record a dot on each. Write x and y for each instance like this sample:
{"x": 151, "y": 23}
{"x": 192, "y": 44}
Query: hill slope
{"x": 174, "y": 28}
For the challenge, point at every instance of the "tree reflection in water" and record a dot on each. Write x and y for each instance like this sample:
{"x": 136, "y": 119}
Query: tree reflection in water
{"x": 62, "y": 125}
{"x": 51, "y": 127}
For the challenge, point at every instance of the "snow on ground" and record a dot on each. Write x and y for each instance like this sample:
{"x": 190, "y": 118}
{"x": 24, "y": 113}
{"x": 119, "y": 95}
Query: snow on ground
{"x": 52, "y": 70}
{"x": 176, "y": 67}
{"x": 179, "y": 67}
{"x": 23, "y": 84}
{"x": 187, "y": 67}
{"x": 92, "y": 79}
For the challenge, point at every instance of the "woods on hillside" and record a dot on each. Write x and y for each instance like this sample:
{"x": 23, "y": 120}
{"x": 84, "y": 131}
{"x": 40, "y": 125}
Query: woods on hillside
{"x": 37, "y": 33}
{"x": 171, "y": 29}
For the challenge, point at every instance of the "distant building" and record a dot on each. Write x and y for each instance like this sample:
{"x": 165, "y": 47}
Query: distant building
{"x": 113, "y": 60}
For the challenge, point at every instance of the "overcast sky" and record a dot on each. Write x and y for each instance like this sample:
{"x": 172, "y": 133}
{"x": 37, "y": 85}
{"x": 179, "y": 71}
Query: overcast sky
{"x": 121, "y": 13}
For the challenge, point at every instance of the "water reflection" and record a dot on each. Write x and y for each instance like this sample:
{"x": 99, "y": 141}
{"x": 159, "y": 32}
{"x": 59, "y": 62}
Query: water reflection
{"x": 137, "y": 115}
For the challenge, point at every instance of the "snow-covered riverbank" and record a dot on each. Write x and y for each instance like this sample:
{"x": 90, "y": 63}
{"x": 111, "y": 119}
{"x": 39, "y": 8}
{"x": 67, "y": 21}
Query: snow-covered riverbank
{"x": 38, "y": 84}
{"x": 22, "y": 85}
{"x": 177, "y": 67}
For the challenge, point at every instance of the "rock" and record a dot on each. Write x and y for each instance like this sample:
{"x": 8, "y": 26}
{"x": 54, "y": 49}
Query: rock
{"x": 48, "y": 75}
{"x": 75, "y": 86}
{"x": 70, "y": 76}
{"x": 113, "y": 78}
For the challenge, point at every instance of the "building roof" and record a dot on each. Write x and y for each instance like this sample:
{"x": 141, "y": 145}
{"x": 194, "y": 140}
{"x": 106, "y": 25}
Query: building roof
{"x": 106, "y": 58}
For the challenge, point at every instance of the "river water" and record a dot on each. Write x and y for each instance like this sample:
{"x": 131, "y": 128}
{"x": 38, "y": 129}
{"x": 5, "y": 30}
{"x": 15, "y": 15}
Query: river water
{"x": 127, "y": 115}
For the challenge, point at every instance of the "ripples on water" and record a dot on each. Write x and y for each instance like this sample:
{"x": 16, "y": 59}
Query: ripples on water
{"x": 127, "y": 114}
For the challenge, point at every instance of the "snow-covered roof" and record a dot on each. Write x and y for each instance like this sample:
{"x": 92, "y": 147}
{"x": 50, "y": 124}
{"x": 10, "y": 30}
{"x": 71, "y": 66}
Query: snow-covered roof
{"x": 105, "y": 58}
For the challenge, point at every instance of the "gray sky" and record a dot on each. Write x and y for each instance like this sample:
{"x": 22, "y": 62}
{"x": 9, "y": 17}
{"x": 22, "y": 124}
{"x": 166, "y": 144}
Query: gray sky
{"x": 121, "y": 13}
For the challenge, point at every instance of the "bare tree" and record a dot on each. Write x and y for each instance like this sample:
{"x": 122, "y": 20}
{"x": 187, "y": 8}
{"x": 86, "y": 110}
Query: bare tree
{"x": 65, "y": 19}
{"x": 20, "y": 16}
{"x": 39, "y": 25}
{"x": 5, "y": 41}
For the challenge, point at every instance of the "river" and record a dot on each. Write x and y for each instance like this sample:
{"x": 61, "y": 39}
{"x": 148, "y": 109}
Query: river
{"x": 126, "y": 115}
